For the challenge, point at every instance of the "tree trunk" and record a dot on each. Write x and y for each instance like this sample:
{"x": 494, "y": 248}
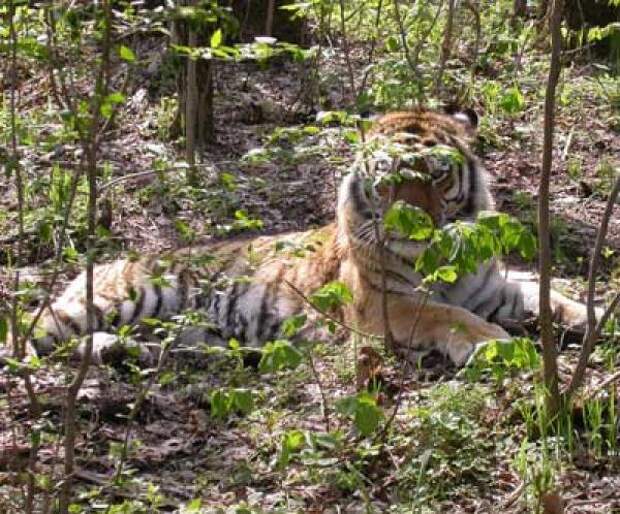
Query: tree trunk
{"x": 519, "y": 10}
{"x": 265, "y": 18}
{"x": 271, "y": 7}
{"x": 195, "y": 91}
{"x": 546, "y": 321}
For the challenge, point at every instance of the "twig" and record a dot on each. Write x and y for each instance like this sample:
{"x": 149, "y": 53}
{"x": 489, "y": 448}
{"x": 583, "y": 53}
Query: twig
{"x": 347, "y": 52}
{"x": 594, "y": 391}
{"x": 388, "y": 338}
{"x": 271, "y": 6}
{"x": 113, "y": 182}
{"x": 593, "y": 329}
{"x": 403, "y": 38}
{"x": 550, "y": 365}
{"x": 475, "y": 10}
{"x": 191, "y": 108}
{"x": 163, "y": 357}
{"x": 514, "y": 495}
{"x": 569, "y": 140}
{"x": 324, "y": 403}
{"x": 446, "y": 46}
{"x": 425, "y": 37}
{"x": 593, "y": 501}
{"x": 404, "y": 368}
{"x": 89, "y": 140}
{"x": 297, "y": 291}
{"x": 373, "y": 44}
{"x": 56, "y": 272}
{"x": 18, "y": 346}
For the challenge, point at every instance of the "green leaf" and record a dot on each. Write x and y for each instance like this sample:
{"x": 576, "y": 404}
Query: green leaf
{"x": 193, "y": 507}
{"x": 229, "y": 181}
{"x": 187, "y": 233}
{"x": 115, "y": 98}
{"x": 70, "y": 254}
{"x": 409, "y": 221}
{"x": 391, "y": 44}
{"x": 351, "y": 136}
{"x": 367, "y": 416}
{"x": 244, "y": 222}
{"x": 311, "y": 130}
{"x": 4, "y": 330}
{"x": 126, "y": 53}
{"x": 107, "y": 106}
{"x": 292, "y": 441}
{"x": 216, "y": 38}
{"x": 512, "y": 102}
{"x": 220, "y": 403}
{"x": 527, "y": 245}
{"x": 500, "y": 357}
{"x": 242, "y": 400}
{"x": 363, "y": 407}
{"x": 279, "y": 355}
{"x": 331, "y": 295}
{"x": 447, "y": 274}
{"x": 292, "y": 325}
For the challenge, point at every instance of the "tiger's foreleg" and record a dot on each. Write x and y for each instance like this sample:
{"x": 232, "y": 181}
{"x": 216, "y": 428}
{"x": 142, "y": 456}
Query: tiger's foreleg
{"x": 419, "y": 326}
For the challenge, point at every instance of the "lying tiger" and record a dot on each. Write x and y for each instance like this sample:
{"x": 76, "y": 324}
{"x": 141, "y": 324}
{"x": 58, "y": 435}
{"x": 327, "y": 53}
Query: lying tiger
{"x": 248, "y": 287}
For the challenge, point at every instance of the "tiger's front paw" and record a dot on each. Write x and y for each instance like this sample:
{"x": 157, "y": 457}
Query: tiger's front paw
{"x": 109, "y": 349}
{"x": 465, "y": 341}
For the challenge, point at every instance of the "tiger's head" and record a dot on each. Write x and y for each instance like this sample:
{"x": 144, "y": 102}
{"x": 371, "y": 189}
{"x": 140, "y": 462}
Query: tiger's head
{"x": 423, "y": 158}
{"x": 429, "y": 163}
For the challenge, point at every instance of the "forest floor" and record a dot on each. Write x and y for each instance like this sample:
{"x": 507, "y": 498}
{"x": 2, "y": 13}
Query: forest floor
{"x": 456, "y": 445}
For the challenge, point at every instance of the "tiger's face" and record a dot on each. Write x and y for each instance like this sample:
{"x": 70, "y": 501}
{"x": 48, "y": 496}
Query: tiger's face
{"x": 428, "y": 164}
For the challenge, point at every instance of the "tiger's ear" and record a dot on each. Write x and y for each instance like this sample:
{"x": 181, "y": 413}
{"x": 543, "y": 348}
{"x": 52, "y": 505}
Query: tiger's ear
{"x": 467, "y": 116}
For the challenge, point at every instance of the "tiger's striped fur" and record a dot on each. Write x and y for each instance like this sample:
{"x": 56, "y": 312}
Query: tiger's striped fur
{"x": 243, "y": 285}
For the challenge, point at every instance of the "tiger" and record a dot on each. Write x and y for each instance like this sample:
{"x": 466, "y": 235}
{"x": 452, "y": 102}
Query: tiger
{"x": 247, "y": 287}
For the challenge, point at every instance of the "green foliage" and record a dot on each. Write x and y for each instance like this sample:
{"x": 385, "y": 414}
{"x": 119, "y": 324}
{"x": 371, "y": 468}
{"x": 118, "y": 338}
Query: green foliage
{"x": 512, "y": 102}
{"x": 364, "y": 410}
{"x": 278, "y": 355}
{"x": 126, "y": 53}
{"x": 110, "y": 102}
{"x": 463, "y": 246}
{"x": 291, "y": 326}
{"x": 227, "y": 401}
{"x": 331, "y": 296}
{"x": 244, "y": 222}
{"x": 502, "y": 357}
{"x": 292, "y": 442}
{"x": 216, "y": 38}
{"x": 450, "y": 444}
{"x": 409, "y": 221}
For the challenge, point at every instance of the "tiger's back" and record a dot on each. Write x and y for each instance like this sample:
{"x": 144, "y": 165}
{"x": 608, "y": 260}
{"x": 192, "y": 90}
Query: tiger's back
{"x": 242, "y": 286}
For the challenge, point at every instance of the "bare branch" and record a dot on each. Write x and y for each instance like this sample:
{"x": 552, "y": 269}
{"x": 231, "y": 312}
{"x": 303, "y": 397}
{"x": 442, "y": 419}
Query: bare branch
{"x": 300, "y": 293}
{"x": 403, "y": 39}
{"x": 89, "y": 141}
{"x": 373, "y": 44}
{"x": 593, "y": 329}
{"x": 446, "y": 46}
{"x": 347, "y": 50}
{"x": 546, "y": 326}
